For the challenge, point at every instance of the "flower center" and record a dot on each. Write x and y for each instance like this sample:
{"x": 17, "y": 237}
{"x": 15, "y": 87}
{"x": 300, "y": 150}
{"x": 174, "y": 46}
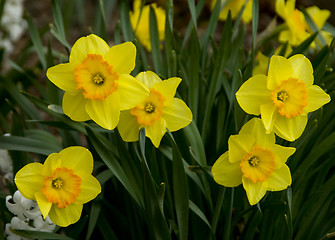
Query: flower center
{"x": 95, "y": 77}
{"x": 149, "y": 107}
{"x": 62, "y": 188}
{"x": 290, "y": 97}
{"x": 258, "y": 164}
{"x": 150, "y": 110}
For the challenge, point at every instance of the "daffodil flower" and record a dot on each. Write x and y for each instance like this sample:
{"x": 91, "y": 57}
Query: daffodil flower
{"x": 298, "y": 29}
{"x": 96, "y": 81}
{"x": 254, "y": 160}
{"x": 140, "y": 22}
{"x": 235, "y": 6}
{"x": 284, "y": 97}
{"x": 61, "y": 185}
{"x": 160, "y": 110}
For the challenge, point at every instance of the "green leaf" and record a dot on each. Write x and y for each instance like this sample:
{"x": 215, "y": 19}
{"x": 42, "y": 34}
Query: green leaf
{"x": 94, "y": 215}
{"x": 180, "y": 190}
{"x": 40, "y": 235}
{"x": 194, "y": 208}
{"x": 192, "y": 8}
{"x": 126, "y": 27}
{"x": 304, "y": 45}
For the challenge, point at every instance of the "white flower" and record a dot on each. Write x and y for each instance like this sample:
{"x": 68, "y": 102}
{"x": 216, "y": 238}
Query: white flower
{"x": 44, "y": 225}
{"x": 16, "y": 223}
{"x": 22, "y": 207}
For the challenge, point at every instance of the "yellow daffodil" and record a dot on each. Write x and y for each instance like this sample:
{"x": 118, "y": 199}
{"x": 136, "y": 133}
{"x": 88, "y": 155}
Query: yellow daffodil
{"x": 61, "y": 185}
{"x": 254, "y": 160}
{"x": 235, "y": 7}
{"x": 298, "y": 29}
{"x": 284, "y": 97}
{"x": 96, "y": 81}
{"x": 140, "y": 22}
{"x": 160, "y": 110}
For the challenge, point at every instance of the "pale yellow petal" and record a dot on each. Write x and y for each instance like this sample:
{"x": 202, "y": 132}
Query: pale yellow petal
{"x": 156, "y": 131}
{"x": 43, "y": 203}
{"x": 148, "y": 78}
{"x": 177, "y": 115}
{"x": 281, "y": 153}
{"x": 226, "y": 173}
{"x": 290, "y": 129}
{"x": 132, "y": 92}
{"x": 255, "y": 127}
{"x": 255, "y": 191}
{"x": 316, "y": 98}
{"x": 253, "y": 93}
{"x": 77, "y": 158}
{"x": 247, "y": 13}
{"x": 269, "y": 115}
{"x": 280, "y": 69}
{"x": 63, "y": 217}
{"x": 280, "y": 8}
{"x": 52, "y": 162}
{"x": 105, "y": 113}
{"x": 128, "y": 127}
{"x": 89, "y": 188}
{"x": 29, "y": 180}
{"x": 279, "y": 179}
{"x": 167, "y": 88}
{"x": 122, "y": 57}
{"x": 302, "y": 69}
{"x": 239, "y": 145}
{"x": 318, "y": 16}
{"x": 63, "y": 77}
{"x": 74, "y": 106}
{"x": 92, "y": 44}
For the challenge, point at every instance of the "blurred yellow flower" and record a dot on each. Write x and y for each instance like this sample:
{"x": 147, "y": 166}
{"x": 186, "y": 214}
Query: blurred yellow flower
{"x": 235, "y": 7}
{"x": 284, "y": 97}
{"x": 298, "y": 29}
{"x": 96, "y": 81}
{"x": 61, "y": 185}
{"x": 140, "y": 22}
{"x": 254, "y": 160}
{"x": 160, "y": 110}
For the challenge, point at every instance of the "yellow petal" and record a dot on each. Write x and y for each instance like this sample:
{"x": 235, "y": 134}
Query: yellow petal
{"x": 128, "y": 127}
{"x": 253, "y": 93}
{"x": 177, "y": 115}
{"x": 255, "y": 127}
{"x": 63, "y": 77}
{"x": 269, "y": 115}
{"x": 43, "y": 203}
{"x": 148, "y": 78}
{"x": 132, "y": 92}
{"x": 29, "y": 180}
{"x": 63, "y": 217}
{"x": 280, "y": 8}
{"x": 89, "y": 188}
{"x": 281, "y": 153}
{"x": 52, "y": 162}
{"x": 279, "y": 179}
{"x": 156, "y": 131}
{"x": 226, "y": 173}
{"x": 316, "y": 98}
{"x": 255, "y": 191}
{"x": 302, "y": 69}
{"x": 105, "y": 113}
{"x": 122, "y": 57}
{"x": 77, "y": 158}
{"x": 167, "y": 88}
{"x": 238, "y": 146}
{"x": 280, "y": 69}
{"x": 247, "y": 13}
{"x": 74, "y": 106}
{"x": 318, "y": 16}
{"x": 290, "y": 129}
{"x": 92, "y": 44}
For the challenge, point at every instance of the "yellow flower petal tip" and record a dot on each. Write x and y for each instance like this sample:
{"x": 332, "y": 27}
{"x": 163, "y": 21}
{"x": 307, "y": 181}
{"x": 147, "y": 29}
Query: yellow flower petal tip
{"x": 158, "y": 111}
{"x": 140, "y": 22}
{"x": 235, "y": 7}
{"x": 91, "y": 80}
{"x": 61, "y": 185}
{"x": 257, "y": 163}
{"x": 284, "y": 97}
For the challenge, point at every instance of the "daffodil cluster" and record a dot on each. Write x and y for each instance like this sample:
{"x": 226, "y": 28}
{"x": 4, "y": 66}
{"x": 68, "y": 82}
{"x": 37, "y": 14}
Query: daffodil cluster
{"x": 283, "y": 99}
